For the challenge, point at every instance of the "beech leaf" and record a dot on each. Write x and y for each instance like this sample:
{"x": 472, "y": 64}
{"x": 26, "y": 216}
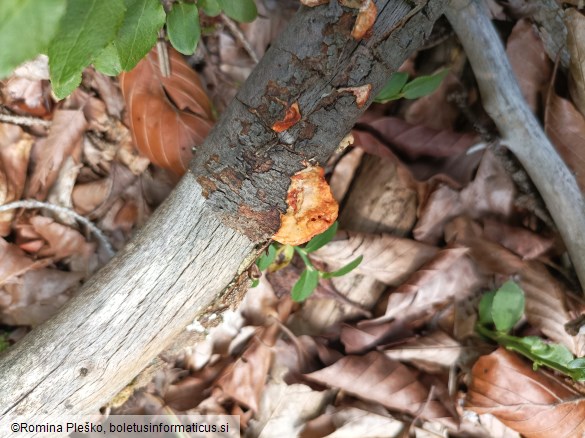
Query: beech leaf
{"x": 183, "y": 27}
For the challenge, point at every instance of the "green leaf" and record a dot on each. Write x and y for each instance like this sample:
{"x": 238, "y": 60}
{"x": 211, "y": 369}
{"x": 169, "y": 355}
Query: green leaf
{"x": 578, "y": 363}
{"x": 139, "y": 31}
{"x": 485, "y": 308}
{"x": 507, "y": 306}
{"x": 423, "y": 85}
{"x": 305, "y": 285}
{"x": 391, "y": 90}
{"x": 556, "y": 353}
{"x": 267, "y": 258}
{"x": 239, "y": 10}
{"x": 108, "y": 61}
{"x": 26, "y": 27}
{"x": 4, "y": 344}
{"x": 87, "y": 27}
{"x": 211, "y": 8}
{"x": 345, "y": 270}
{"x": 183, "y": 27}
{"x": 322, "y": 239}
{"x": 255, "y": 283}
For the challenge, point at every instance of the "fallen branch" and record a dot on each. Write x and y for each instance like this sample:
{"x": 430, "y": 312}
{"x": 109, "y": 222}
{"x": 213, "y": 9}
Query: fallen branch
{"x": 519, "y": 128}
{"x": 203, "y": 235}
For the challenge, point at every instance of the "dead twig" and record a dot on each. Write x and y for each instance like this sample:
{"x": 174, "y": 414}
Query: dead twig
{"x": 23, "y": 121}
{"x": 32, "y": 203}
{"x": 237, "y": 33}
{"x": 519, "y": 128}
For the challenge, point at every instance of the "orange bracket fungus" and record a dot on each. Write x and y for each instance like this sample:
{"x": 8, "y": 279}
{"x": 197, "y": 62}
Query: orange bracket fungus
{"x": 311, "y": 207}
{"x": 291, "y": 117}
{"x": 362, "y": 94}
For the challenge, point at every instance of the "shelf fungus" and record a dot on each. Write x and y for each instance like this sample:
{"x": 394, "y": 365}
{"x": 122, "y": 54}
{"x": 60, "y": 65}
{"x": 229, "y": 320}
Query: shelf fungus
{"x": 291, "y": 117}
{"x": 311, "y": 207}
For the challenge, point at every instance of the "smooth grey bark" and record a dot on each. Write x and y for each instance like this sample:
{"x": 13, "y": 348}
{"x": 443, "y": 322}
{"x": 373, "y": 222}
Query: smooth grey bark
{"x": 203, "y": 235}
{"x": 519, "y": 128}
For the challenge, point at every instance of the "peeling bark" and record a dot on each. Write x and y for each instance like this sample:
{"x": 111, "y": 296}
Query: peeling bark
{"x": 206, "y": 233}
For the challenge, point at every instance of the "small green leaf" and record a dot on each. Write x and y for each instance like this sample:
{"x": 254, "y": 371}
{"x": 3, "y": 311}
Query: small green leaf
{"x": 578, "y": 363}
{"x": 266, "y": 258}
{"x": 183, "y": 27}
{"x": 85, "y": 29}
{"x": 4, "y": 344}
{"x": 556, "y": 353}
{"x": 211, "y": 8}
{"x": 345, "y": 270}
{"x": 391, "y": 90}
{"x": 322, "y": 239}
{"x": 423, "y": 85}
{"x": 26, "y": 27}
{"x": 485, "y": 308}
{"x": 507, "y": 306}
{"x": 305, "y": 285}
{"x": 239, "y": 10}
{"x": 108, "y": 61}
{"x": 139, "y": 31}
{"x": 284, "y": 256}
{"x": 255, "y": 283}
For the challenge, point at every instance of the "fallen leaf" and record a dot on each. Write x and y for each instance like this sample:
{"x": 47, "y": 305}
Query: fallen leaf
{"x": 450, "y": 274}
{"x": 565, "y": 126}
{"x": 344, "y": 172}
{"x": 575, "y": 22}
{"x": 311, "y": 207}
{"x": 48, "y": 154}
{"x": 15, "y": 146}
{"x": 37, "y": 296}
{"x": 388, "y": 259}
{"x": 380, "y": 379}
{"x": 292, "y": 116}
{"x": 529, "y": 61}
{"x": 168, "y": 116}
{"x": 530, "y": 402}
{"x": 14, "y": 262}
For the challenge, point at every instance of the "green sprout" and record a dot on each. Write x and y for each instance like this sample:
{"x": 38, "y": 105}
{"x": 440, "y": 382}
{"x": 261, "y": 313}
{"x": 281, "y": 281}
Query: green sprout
{"x": 500, "y": 311}
{"x": 278, "y": 256}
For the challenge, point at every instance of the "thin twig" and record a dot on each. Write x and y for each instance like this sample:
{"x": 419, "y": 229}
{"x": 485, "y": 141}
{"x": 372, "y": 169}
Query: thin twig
{"x": 235, "y": 30}
{"x": 24, "y": 121}
{"x": 520, "y": 130}
{"x": 31, "y": 203}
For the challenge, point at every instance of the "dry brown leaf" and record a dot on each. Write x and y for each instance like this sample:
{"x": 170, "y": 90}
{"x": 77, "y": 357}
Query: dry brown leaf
{"x": 65, "y": 136}
{"x": 168, "y": 116}
{"x": 575, "y": 22}
{"x": 15, "y": 146}
{"x": 522, "y": 241}
{"x": 449, "y": 275}
{"x": 37, "y": 296}
{"x": 565, "y": 126}
{"x": 388, "y": 259}
{"x": 423, "y": 111}
{"x": 530, "y": 402}
{"x": 375, "y": 377}
{"x": 245, "y": 380}
{"x": 61, "y": 241}
{"x": 363, "y": 337}
{"x": 433, "y": 353}
{"x": 311, "y": 207}
{"x": 492, "y": 192}
{"x": 529, "y": 61}
{"x": 14, "y": 262}
{"x": 108, "y": 91}
{"x": 285, "y": 409}
{"x": 344, "y": 172}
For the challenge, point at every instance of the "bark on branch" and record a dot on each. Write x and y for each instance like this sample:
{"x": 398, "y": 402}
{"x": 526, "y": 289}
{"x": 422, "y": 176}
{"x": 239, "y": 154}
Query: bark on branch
{"x": 203, "y": 235}
{"x": 519, "y": 129}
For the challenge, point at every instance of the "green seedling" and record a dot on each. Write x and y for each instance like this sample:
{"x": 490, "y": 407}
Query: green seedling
{"x": 500, "y": 311}
{"x": 278, "y": 256}
{"x": 398, "y": 86}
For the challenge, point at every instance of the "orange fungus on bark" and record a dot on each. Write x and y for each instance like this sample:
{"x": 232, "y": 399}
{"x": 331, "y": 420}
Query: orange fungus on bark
{"x": 291, "y": 117}
{"x": 311, "y": 207}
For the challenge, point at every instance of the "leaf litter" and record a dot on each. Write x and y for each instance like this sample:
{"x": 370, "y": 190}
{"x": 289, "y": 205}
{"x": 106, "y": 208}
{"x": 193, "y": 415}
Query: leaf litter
{"x": 432, "y": 206}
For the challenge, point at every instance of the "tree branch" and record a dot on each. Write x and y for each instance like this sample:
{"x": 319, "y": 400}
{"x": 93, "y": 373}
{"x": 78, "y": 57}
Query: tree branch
{"x": 518, "y": 127}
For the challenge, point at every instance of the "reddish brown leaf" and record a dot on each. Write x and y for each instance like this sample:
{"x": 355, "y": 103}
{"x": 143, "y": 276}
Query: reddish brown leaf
{"x": 530, "y": 63}
{"x": 575, "y": 22}
{"x": 375, "y": 377}
{"x": 168, "y": 116}
{"x": 530, "y": 402}
{"x": 13, "y": 262}
{"x": 566, "y": 128}
{"x": 291, "y": 118}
